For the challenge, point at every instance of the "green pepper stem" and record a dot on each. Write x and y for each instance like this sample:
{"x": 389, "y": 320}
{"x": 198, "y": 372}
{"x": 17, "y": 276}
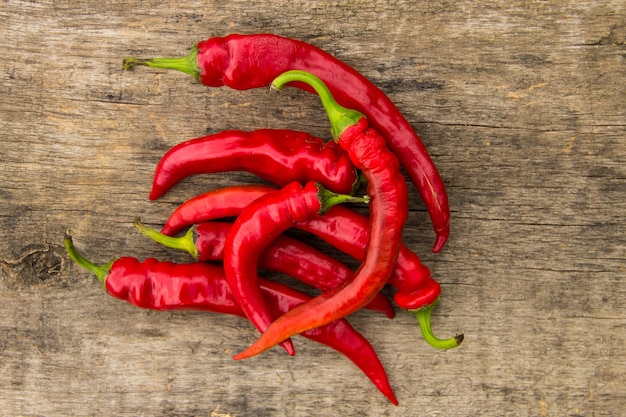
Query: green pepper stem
{"x": 187, "y": 64}
{"x": 101, "y": 271}
{"x": 340, "y": 117}
{"x": 186, "y": 243}
{"x": 360, "y": 180}
{"x": 423, "y": 317}
{"x": 329, "y": 199}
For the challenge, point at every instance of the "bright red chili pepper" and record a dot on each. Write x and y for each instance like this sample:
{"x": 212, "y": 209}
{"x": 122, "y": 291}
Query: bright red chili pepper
{"x": 206, "y": 241}
{"x": 250, "y": 61}
{"x": 342, "y": 227}
{"x": 256, "y": 227}
{"x": 214, "y": 204}
{"x": 279, "y": 156}
{"x": 388, "y": 213}
{"x": 160, "y": 285}
{"x": 346, "y": 230}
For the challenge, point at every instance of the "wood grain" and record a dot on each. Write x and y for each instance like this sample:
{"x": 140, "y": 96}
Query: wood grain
{"x": 521, "y": 107}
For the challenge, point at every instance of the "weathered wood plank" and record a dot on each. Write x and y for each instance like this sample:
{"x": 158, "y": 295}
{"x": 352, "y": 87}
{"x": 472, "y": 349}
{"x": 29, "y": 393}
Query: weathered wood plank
{"x": 521, "y": 107}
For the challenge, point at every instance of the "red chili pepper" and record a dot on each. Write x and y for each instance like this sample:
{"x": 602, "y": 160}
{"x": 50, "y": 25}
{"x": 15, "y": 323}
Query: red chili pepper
{"x": 214, "y": 204}
{"x": 279, "y": 156}
{"x": 256, "y": 227}
{"x": 206, "y": 241}
{"x": 250, "y": 61}
{"x": 200, "y": 286}
{"x": 388, "y": 213}
{"x": 342, "y": 227}
{"x": 348, "y": 231}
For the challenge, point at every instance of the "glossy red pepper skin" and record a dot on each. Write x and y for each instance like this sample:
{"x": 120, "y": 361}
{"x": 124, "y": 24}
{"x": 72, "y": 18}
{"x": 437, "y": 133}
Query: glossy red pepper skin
{"x": 254, "y": 229}
{"x": 250, "y": 61}
{"x": 278, "y": 156}
{"x": 288, "y": 256}
{"x": 388, "y": 214}
{"x": 348, "y": 231}
{"x": 200, "y": 286}
{"x": 163, "y": 285}
{"x": 159, "y": 285}
{"x": 341, "y": 227}
{"x": 214, "y": 204}
{"x": 338, "y": 335}
{"x": 368, "y": 153}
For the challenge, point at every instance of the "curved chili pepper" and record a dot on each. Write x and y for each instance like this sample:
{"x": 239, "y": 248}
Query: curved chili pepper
{"x": 214, "y": 204}
{"x": 279, "y": 156}
{"x": 348, "y": 231}
{"x": 160, "y": 285}
{"x": 249, "y": 61}
{"x": 256, "y": 227}
{"x": 388, "y": 213}
{"x": 206, "y": 241}
{"x": 340, "y": 226}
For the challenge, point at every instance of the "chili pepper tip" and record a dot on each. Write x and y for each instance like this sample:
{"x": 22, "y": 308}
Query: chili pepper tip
{"x": 442, "y": 237}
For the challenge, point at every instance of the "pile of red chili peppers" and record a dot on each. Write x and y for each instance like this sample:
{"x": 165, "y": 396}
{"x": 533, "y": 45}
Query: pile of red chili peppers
{"x": 309, "y": 181}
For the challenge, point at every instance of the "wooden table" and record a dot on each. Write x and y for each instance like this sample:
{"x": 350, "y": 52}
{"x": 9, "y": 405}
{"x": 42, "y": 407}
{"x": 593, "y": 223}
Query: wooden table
{"x": 521, "y": 106}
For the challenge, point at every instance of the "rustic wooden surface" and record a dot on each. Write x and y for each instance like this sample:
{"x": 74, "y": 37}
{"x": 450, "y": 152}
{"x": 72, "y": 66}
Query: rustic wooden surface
{"x": 521, "y": 107}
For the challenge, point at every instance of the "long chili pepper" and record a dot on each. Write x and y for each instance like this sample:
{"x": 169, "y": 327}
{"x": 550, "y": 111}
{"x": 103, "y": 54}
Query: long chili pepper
{"x": 258, "y": 225}
{"x": 160, "y": 285}
{"x": 348, "y": 231}
{"x": 343, "y": 228}
{"x": 251, "y": 61}
{"x": 206, "y": 241}
{"x": 340, "y": 226}
{"x": 214, "y": 204}
{"x": 279, "y": 156}
{"x": 388, "y": 213}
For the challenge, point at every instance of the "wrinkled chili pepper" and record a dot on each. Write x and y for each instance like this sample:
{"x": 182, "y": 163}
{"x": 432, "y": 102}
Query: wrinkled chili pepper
{"x": 206, "y": 241}
{"x": 342, "y": 227}
{"x": 257, "y": 226}
{"x": 250, "y": 61}
{"x": 279, "y": 156}
{"x": 201, "y": 286}
{"x": 348, "y": 231}
{"x": 388, "y": 213}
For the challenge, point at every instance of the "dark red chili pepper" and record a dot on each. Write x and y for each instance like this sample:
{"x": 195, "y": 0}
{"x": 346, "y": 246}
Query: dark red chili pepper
{"x": 214, "y": 204}
{"x": 250, "y": 61}
{"x": 206, "y": 241}
{"x": 388, "y": 213}
{"x": 160, "y": 285}
{"x": 279, "y": 156}
{"x": 340, "y": 226}
{"x": 348, "y": 231}
{"x": 256, "y": 227}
